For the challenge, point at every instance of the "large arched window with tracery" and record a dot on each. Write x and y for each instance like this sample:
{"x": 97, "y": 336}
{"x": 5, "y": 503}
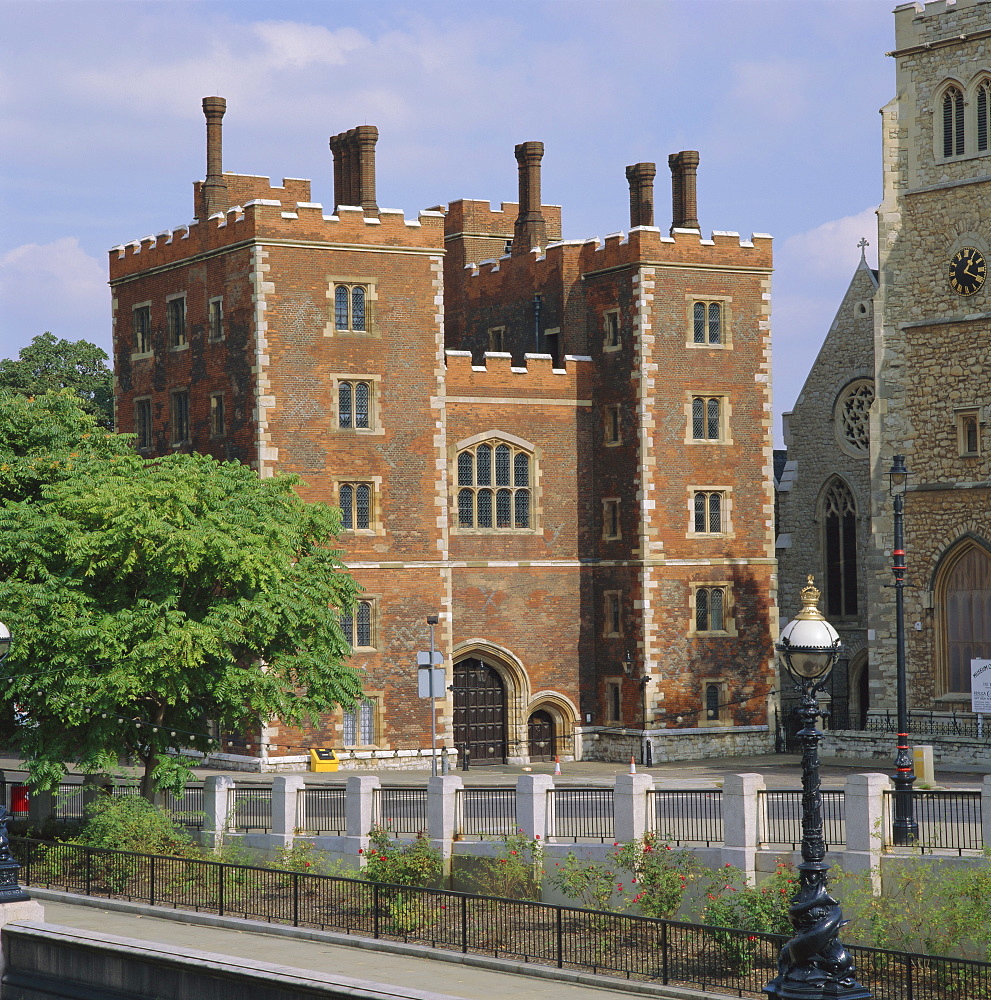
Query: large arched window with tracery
{"x": 963, "y": 595}
{"x": 839, "y": 521}
{"x": 953, "y": 123}
{"x": 495, "y": 484}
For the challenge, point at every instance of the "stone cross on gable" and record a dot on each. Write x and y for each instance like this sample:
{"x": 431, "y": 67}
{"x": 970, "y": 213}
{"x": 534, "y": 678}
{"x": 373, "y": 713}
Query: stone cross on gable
{"x": 863, "y": 244}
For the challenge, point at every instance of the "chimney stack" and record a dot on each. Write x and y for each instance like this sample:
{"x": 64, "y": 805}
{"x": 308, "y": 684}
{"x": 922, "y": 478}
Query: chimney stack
{"x": 354, "y": 168}
{"x": 214, "y": 187}
{"x": 684, "y": 166}
{"x": 530, "y": 229}
{"x": 641, "y": 179}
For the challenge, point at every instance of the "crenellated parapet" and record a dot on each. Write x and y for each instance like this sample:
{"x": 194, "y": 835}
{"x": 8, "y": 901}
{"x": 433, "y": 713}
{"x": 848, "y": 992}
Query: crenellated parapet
{"x": 474, "y": 217}
{"x": 285, "y": 217}
{"x": 498, "y": 377}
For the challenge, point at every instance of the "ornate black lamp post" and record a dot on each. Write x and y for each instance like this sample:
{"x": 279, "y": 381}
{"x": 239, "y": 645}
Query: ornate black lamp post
{"x": 10, "y": 890}
{"x": 813, "y": 965}
{"x": 905, "y": 830}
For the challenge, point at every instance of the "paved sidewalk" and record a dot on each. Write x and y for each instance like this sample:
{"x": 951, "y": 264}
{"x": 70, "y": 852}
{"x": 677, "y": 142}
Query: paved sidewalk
{"x": 378, "y": 962}
{"x": 779, "y": 771}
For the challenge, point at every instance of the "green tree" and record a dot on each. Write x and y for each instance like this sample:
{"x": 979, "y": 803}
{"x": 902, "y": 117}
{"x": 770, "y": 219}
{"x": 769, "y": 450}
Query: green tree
{"x": 145, "y": 595}
{"x": 49, "y": 363}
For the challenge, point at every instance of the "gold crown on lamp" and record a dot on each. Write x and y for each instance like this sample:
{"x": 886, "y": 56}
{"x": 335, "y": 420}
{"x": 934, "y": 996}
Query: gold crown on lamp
{"x": 810, "y": 595}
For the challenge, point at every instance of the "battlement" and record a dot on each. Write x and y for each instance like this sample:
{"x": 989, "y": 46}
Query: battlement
{"x": 242, "y": 188}
{"x": 282, "y": 218}
{"x": 645, "y": 244}
{"x": 919, "y": 24}
{"x": 475, "y": 217}
{"x": 498, "y": 377}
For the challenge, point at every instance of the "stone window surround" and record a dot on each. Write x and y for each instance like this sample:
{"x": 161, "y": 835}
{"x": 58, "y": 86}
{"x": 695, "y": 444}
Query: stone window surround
{"x": 372, "y": 600}
{"x": 726, "y": 321}
{"x": 612, "y": 614}
{"x": 212, "y": 336}
{"x": 725, "y": 412}
{"x": 138, "y": 403}
{"x": 852, "y": 388}
{"x": 216, "y": 432}
{"x": 612, "y": 336}
{"x": 375, "y": 525}
{"x": 376, "y": 700}
{"x": 149, "y": 350}
{"x": 613, "y": 688}
{"x": 962, "y": 415}
{"x": 611, "y": 518}
{"x": 723, "y": 717}
{"x": 497, "y": 339}
{"x": 970, "y": 150}
{"x": 725, "y": 514}
{"x": 174, "y": 393}
{"x": 371, "y": 298}
{"x": 174, "y": 341}
{"x": 612, "y": 424}
{"x": 729, "y": 609}
{"x": 375, "y": 427}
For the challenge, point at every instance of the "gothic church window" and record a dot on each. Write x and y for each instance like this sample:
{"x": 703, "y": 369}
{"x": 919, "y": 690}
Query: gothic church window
{"x": 839, "y": 519}
{"x": 349, "y": 309}
{"x": 963, "y": 598}
{"x": 953, "y": 122}
{"x": 983, "y": 115}
{"x": 853, "y": 417}
{"x": 494, "y": 486}
{"x": 969, "y": 432}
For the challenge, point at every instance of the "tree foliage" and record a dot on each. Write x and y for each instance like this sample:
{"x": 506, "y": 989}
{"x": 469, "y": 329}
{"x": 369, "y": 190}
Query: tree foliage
{"x": 144, "y": 595}
{"x": 48, "y": 364}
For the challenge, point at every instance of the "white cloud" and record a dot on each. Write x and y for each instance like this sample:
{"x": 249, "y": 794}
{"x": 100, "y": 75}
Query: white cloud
{"x": 56, "y": 286}
{"x": 830, "y": 251}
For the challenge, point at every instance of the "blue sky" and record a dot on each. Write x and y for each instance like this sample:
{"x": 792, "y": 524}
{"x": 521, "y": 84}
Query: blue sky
{"x": 102, "y": 132}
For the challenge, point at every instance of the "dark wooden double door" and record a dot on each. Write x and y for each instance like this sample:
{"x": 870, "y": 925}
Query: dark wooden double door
{"x": 479, "y": 712}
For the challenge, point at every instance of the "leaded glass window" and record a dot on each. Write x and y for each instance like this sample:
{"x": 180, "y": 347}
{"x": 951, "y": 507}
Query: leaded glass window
{"x": 500, "y": 465}
{"x": 356, "y": 506}
{"x": 349, "y": 308}
{"x": 708, "y": 512}
{"x": 706, "y": 423}
{"x": 953, "y": 123}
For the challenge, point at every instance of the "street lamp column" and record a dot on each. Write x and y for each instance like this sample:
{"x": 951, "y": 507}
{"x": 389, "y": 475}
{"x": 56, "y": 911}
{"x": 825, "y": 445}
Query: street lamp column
{"x": 813, "y": 965}
{"x": 905, "y": 829}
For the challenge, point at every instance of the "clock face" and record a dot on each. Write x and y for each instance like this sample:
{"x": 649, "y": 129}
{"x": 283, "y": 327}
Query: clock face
{"x": 968, "y": 271}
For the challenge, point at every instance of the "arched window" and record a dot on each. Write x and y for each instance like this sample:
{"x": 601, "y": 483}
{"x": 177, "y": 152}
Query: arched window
{"x": 353, "y": 405}
{"x": 953, "y": 127}
{"x": 983, "y": 115}
{"x": 349, "y": 308}
{"x": 356, "y": 506}
{"x": 357, "y": 627}
{"x": 505, "y": 467}
{"x": 852, "y": 416}
{"x": 963, "y": 593}
{"x": 839, "y": 550}
{"x": 359, "y": 725}
{"x": 707, "y": 323}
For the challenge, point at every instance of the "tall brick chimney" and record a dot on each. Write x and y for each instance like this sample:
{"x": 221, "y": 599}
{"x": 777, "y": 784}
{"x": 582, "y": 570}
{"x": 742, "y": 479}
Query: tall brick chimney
{"x": 214, "y": 188}
{"x": 530, "y": 229}
{"x": 354, "y": 168}
{"x": 641, "y": 179}
{"x": 684, "y": 166}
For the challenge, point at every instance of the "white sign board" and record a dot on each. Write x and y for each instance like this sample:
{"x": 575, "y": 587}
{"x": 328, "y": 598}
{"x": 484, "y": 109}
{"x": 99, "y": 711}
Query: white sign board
{"x": 980, "y": 686}
{"x": 438, "y": 675}
{"x": 423, "y": 659}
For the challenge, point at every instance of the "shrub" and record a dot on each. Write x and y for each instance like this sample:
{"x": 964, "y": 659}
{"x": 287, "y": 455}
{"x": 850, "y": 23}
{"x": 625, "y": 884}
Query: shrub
{"x": 131, "y": 823}
{"x": 417, "y": 863}
{"x": 591, "y": 883}
{"x": 660, "y": 875}
{"x": 515, "y": 872}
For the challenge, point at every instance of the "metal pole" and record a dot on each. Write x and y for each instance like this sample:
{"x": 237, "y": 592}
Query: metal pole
{"x": 905, "y": 828}
{"x": 433, "y": 704}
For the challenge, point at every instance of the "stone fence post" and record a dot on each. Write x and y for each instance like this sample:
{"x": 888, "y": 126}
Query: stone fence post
{"x": 359, "y": 811}
{"x": 740, "y": 822}
{"x": 531, "y": 804}
{"x": 864, "y": 807}
{"x": 216, "y": 808}
{"x": 986, "y": 809}
{"x": 630, "y": 806}
{"x": 442, "y": 802}
{"x": 285, "y": 797}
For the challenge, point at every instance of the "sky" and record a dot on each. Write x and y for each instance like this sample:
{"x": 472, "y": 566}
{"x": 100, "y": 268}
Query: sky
{"x": 102, "y": 132}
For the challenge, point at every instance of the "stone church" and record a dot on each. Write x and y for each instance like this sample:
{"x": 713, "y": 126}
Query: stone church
{"x": 559, "y": 447}
{"x": 904, "y": 371}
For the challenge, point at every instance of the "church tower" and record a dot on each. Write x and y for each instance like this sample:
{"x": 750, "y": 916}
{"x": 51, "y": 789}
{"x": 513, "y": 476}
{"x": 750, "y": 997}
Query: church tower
{"x": 932, "y": 348}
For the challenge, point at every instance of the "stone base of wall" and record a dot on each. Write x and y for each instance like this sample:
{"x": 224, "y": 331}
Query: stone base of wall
{"x": 618, "y": 745}
{"x": 350, "y": 760}
{"x": 947, "y": 750}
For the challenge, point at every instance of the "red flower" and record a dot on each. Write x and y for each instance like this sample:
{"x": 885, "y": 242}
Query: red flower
{"x": 443, "y": 906}
{"x": 537, "y": 837}
{"x": 361, "y": 850}
{"x": 512, "y": 852}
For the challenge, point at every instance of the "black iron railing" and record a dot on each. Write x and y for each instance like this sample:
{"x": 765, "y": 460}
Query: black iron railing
{"x": 320, "y": 810}
{"x": 686, "y": 817}
{"x": 779, "y": 815}
{"x": 933, "y": 724}
{"x": 400, "y": 810}
{"x": 580, "y": 814}
{"x": 486, "y": 812}
{"x": 637, "y": 948}
{"x": 948, "y": 820}
{"x": 250, "y": 808}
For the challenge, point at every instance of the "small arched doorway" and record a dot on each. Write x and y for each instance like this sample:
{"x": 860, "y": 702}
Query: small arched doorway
{"x": 479, "y": 712}
{"x": 858, "y": 684}
{"x": 541, "y": 735}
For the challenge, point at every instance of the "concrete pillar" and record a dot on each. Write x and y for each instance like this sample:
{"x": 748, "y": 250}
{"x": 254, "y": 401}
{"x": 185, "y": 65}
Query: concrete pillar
{"x": 740, "y": 821}
{"x": 442, "y": 802}
{"x": 16, "y": 912}
{"x": 41, "y": 808}
{"x": 285, "y": 794}
{"x": 359, "y": 806}
{"x": 630, "y": 806}
{"x": 531, "y": 805}
{"x": 986, "y": 809}
{"x": 864, "y": 809}
{"x": 216, "y": 807}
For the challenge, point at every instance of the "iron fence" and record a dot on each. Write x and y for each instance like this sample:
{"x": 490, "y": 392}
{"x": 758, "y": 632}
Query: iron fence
{"x": 320, "y": 810}
{"x": 485, "y": 812}
{"x": 580, "y": 814}
{"x": 250, "y": 808}
{"x": 779, "y": 818}
{"x": 948, "y": 820}
{"x": 686, "y": 817}
{"x": 933, "y": 724}
{"x": 67, "y": 804}
{"x": 636, "y": 948}
{"x": 400, "y": 810}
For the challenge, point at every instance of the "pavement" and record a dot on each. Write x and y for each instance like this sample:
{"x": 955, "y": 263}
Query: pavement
{"x": 779, "y": 771}
{"x": 377, "y": 963}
